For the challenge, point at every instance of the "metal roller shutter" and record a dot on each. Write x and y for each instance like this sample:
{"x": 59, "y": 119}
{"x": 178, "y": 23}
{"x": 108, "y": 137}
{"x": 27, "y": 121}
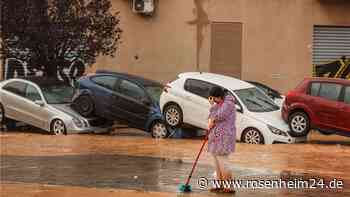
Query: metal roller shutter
{"x": 330, "y": 43}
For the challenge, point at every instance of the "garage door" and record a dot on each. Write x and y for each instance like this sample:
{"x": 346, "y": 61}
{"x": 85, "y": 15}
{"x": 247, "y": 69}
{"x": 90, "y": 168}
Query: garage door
{"x": 330, "y": 43}
{"x": 226, "y": 48}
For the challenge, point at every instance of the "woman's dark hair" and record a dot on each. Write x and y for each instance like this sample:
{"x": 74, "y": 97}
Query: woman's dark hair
{"x": 217, "y": 91}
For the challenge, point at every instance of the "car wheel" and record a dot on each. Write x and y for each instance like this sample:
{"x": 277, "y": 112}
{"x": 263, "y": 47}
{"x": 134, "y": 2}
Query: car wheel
{"x": 299, "y": 124}
{"x": 58, "y": 127}
{"x": 252, "y": 136}
{"x": 173, "y": 115}
{"x": 84, "y": 105}
{"x": 2, "y": 115}
{"x": 6, "y": 123}
{"x": 159, "y": 130}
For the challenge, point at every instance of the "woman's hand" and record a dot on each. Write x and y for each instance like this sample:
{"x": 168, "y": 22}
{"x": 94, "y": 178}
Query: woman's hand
{"x": 211, "y": 124}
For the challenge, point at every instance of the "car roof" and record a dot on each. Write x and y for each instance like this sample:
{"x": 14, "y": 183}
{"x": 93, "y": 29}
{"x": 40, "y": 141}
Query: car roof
{"x": 327, "y": 79}
{"x": 138, "y": 79}
{"x": 42, "y": 81}
{"x": 221, "y": 80}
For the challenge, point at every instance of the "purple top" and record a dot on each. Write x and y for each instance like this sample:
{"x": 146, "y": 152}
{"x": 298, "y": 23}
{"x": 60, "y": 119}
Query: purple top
{"x": 222, "y": 137}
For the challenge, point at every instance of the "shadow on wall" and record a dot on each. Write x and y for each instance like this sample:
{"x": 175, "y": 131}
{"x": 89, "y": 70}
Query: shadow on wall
{"x": 337, "y": 69}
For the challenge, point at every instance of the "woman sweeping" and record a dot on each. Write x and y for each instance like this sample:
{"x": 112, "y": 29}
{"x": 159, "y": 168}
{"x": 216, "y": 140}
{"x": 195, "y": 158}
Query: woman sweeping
{"x": 222, "y": 136}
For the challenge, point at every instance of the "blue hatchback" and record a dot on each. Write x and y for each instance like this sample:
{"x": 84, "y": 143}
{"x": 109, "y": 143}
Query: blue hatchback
{"x": 126, "y": 98}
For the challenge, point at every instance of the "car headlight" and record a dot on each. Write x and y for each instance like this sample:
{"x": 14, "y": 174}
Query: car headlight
{"x": 277, "y": 131}
{"x": 78, "y": 122}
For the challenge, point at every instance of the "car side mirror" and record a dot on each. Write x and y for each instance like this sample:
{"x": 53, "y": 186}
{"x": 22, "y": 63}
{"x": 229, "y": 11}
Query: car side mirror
{"x": 239, "y": 108}
{"x": 39, "y": 102}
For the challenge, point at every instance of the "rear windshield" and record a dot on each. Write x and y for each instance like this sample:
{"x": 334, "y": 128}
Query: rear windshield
{"x": 58, "y": 94}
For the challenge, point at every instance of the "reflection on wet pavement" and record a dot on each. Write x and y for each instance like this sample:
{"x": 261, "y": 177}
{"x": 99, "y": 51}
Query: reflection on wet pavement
{"x": 115, "y": 171}
{"x": 121, "y": 163}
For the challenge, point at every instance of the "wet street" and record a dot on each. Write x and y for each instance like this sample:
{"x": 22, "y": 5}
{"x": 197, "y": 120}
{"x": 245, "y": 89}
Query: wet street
{"x": 131, "y": 163}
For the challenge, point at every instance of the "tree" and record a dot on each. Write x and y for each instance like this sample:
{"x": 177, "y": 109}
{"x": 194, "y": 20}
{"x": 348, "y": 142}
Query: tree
{"x": 46, "y": 32}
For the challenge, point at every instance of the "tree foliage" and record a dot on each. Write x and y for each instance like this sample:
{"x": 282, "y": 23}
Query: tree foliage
{"x": 46, "y": 32}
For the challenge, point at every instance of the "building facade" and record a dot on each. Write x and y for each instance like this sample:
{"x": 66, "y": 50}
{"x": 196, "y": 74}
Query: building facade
{"x": 272, "y": 41}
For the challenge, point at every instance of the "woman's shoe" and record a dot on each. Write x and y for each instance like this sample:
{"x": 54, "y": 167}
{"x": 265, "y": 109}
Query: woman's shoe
{"x": 228, "y": 190}
{"x": 215, "y": 189}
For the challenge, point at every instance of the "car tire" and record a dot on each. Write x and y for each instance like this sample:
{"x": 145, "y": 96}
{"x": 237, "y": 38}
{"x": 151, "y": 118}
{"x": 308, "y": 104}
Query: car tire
{"x": 252, "y": 136}
{"x": 159, "y": 130}
{"x": 2, "y": 115}
{"x": 299, "y": 124}
{"x": 84, "y": 105}
{"x": 173, "y": 115}
{"x": 58, "y": 127}
{"x": 6, "y": 123}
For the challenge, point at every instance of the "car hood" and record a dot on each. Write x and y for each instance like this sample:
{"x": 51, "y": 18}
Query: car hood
{"x": 273, "y": 118}
{"x": 67, "y": 109}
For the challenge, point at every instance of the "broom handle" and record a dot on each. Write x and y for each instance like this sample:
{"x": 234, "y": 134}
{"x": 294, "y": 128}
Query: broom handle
{"x": 195, "y": 162}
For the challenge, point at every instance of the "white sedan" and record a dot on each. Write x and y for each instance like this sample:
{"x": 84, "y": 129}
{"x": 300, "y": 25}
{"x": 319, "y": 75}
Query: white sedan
{"x": 184, "y": 102}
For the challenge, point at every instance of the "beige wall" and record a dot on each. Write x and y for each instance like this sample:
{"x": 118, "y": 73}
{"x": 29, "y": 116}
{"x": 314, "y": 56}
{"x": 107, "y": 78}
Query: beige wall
{"x": 277, "y": 37}
{"x": 165, "y": 43}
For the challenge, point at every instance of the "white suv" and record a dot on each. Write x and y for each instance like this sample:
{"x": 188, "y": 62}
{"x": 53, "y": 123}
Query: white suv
{"x": 184, "y": 102}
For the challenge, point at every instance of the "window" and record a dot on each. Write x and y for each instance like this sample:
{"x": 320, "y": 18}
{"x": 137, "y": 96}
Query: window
{"x": 347, "y": 95}
{"x": 198, "y": 87}
{"x": 132, "y": 90}
{"x": 330, "y": 91}
{"x": 255, "y": 100}
{"x": 106, "y": 81}
{"x": 32, "y": 93}
{"x": 16, "y": 87}
{"x": 58, "y": 93}
{"x": 314, "y": 89}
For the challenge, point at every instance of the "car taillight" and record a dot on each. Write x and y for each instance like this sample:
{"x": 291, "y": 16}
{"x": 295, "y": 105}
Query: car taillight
{"x": 166, "y": 88}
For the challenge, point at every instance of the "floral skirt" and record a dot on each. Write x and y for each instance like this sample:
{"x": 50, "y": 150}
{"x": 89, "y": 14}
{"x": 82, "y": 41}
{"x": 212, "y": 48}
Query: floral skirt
{"x": 220, "y": 143}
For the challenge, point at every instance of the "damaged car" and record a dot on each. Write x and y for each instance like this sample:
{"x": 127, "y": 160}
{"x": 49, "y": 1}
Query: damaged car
{"x": 45, "y": 104}
{"x": 125, "y": 98}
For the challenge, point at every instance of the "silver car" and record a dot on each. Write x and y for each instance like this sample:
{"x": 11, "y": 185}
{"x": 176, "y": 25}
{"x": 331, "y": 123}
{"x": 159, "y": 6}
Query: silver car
{"x": 44, "y": 103}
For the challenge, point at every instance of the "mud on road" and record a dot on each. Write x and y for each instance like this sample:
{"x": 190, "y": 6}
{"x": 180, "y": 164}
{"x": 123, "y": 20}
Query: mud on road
{"x": 129, "y": 162}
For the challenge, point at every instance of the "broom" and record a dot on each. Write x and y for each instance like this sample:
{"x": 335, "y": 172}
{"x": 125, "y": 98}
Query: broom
{"x": 187, "y": 187}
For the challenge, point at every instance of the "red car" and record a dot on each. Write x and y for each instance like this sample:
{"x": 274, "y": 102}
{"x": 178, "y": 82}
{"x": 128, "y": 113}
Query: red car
{"x": 318, "y": 103}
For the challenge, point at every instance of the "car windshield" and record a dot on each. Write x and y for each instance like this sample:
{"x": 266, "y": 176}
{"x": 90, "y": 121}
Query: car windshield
{"x": 58, "y": 94}
{"x": 154, "y": 92}
{"x": 256, "y": 101}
